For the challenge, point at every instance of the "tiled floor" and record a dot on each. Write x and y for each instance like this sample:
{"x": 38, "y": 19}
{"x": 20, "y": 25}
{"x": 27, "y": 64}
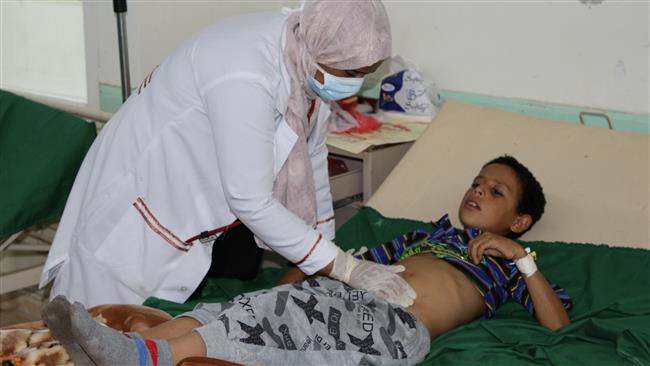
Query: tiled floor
{"x": 22, "y": 305}
{"x": 25, "y": 304}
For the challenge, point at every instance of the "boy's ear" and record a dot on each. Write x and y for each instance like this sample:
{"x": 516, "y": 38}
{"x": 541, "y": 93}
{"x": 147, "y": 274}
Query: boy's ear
{"x": 522, "y": 223}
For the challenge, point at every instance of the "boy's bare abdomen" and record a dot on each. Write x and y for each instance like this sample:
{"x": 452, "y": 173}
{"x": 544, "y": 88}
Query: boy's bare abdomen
{"x": 445, "y": 297}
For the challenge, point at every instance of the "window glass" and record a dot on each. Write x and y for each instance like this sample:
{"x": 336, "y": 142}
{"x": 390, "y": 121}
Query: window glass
{"x": 42, "y": 48}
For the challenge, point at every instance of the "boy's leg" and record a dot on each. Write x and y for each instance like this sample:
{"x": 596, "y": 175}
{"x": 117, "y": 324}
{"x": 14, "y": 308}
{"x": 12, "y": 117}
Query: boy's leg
{"x": 188, "y": 345}
{"x": 171, "y": 329}
{"x": 106, "y": 346}
{"x": 183, "y": 342}
{"x": 320, "y": 321}
{"x": 56, "y": 315}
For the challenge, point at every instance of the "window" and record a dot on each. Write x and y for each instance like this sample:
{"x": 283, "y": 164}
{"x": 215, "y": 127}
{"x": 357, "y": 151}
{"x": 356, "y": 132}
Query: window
{"x": 42, "y": 48}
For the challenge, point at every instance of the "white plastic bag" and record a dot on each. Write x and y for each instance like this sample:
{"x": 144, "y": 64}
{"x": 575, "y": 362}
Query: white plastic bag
{"x": 406, "y": 95}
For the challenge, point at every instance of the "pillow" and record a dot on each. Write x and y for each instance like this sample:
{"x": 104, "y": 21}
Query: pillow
{"x": 595, "y": 180}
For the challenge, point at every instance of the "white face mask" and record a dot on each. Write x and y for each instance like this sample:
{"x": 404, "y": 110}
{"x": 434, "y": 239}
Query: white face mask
{"x": 334, "y": 87}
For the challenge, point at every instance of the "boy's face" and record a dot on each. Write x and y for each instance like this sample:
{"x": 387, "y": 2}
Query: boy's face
{"x": 490, "y": 204}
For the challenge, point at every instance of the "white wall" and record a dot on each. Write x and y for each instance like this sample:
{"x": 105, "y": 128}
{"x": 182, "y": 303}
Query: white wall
{"x": 563, "y": 51}
{"x": 581, "y": 53}
{"x": 155, "y": 29}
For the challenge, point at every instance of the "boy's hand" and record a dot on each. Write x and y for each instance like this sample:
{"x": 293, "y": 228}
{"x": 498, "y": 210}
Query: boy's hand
{"x": 494, "y": 245}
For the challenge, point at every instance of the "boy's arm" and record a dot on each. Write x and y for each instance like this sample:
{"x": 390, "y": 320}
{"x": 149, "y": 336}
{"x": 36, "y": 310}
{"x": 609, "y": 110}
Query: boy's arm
{"x": 548, "y": 308}
{"x": 292, "y": 275}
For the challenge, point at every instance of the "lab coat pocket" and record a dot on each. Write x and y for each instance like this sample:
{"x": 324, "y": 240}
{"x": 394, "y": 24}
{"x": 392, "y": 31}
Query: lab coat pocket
{"x": 285, "y": 138}
{"x": 122, "y": 252}
{"x": 104, "y": 213}
{"x": 141, "y": 249}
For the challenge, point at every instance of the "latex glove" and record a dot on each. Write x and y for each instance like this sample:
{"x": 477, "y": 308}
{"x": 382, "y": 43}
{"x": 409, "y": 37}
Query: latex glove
{"x": 378, "y": 279}
{"x": 356, "y": 252}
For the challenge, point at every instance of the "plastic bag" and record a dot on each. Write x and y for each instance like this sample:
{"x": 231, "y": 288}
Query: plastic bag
{"x": 406, "y": 95}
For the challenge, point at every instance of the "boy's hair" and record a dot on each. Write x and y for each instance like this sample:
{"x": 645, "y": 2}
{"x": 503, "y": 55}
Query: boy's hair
{"x": 532, "y": 199}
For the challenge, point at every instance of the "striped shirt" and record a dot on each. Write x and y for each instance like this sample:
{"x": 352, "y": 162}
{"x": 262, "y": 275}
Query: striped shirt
{"x": 497, "y": 279}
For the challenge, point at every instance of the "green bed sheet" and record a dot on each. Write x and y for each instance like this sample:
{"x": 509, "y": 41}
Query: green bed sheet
{"x": 610, "y": 288}
{"x": 41, "y": 149}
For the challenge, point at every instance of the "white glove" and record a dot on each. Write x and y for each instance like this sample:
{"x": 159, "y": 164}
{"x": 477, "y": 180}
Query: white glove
{"x": 378, "y": 279}
{"x": 355, "y": 252}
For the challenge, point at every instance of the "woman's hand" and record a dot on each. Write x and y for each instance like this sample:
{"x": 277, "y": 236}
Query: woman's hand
{"x": 378, "y": 279}
{"x": 494, "y": 245}
{"x": 383, "y": 281}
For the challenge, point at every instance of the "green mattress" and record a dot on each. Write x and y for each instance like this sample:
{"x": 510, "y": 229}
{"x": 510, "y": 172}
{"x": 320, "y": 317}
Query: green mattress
{"x": 610, "y": 319}
{"x": 41, "y": 149}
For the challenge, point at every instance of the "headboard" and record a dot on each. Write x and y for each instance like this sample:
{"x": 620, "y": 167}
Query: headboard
{"x": 596, "y": 180}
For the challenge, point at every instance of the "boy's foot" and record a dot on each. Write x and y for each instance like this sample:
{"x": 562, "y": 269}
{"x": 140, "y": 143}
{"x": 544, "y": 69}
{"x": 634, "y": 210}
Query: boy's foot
{"x": 106, "y": 346}
{"x": 56, "y": 314}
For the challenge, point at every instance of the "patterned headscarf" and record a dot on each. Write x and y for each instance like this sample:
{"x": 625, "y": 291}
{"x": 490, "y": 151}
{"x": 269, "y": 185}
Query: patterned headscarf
{"x": 345, "y": 35}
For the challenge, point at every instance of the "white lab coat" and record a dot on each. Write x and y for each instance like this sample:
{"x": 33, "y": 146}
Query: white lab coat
{"x": 197, "y": 146}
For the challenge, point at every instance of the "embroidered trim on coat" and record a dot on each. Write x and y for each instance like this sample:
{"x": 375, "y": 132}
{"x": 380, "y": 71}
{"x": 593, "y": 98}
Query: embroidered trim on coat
{"x": 320, "y": 236}
{"x": 158, "y": 228}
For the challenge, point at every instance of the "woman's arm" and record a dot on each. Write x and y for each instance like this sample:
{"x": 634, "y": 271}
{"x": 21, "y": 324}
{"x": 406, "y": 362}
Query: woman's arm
{"x": 296, "y": 275}
{"x": 245, "y": 143}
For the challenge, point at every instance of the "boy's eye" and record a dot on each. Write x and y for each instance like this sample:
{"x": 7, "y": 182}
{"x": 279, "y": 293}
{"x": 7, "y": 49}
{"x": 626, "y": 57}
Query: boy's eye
{"x": 496, "y": 192}
{"x": 474, "y": 185}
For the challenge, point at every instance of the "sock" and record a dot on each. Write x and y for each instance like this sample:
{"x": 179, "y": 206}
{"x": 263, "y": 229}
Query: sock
{"x": 106, "y": 346}
{"x": 132, "y": 335}
{"x": 56, "y": 315}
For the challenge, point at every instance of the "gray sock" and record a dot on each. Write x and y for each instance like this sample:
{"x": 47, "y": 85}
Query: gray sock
{"x": 56, "y": 314}
{"x": 107, "y": 346}
{"x": 132, "y": 335}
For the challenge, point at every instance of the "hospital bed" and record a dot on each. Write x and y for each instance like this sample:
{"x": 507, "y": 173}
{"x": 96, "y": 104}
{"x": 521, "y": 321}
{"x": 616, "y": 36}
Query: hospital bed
{"x": 41, "y": 149}
{"x": 593, "y": 239}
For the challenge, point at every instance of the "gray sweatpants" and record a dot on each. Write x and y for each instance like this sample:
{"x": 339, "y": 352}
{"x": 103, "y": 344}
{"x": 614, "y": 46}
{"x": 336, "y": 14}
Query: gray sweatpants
{"x": 317, "y": 322}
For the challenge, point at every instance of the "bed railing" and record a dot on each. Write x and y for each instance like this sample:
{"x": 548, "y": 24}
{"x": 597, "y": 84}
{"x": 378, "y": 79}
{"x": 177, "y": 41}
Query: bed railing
{"x": 72, "y": 108}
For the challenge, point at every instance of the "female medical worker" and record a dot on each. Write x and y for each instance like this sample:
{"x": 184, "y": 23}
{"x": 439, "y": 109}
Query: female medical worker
{"x": 224, "y": 131}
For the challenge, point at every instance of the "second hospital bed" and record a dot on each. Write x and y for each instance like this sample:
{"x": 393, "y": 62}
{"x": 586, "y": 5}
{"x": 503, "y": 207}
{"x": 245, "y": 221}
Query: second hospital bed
{"x": 41, "y": 149}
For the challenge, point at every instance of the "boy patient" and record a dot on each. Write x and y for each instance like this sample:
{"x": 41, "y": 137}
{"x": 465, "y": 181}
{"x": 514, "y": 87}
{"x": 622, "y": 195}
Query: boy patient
{"x": 458, "y": 276}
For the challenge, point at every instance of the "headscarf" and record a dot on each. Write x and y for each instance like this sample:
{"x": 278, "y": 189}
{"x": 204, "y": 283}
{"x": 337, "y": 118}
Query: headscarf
{"x": 345, "y": 35}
